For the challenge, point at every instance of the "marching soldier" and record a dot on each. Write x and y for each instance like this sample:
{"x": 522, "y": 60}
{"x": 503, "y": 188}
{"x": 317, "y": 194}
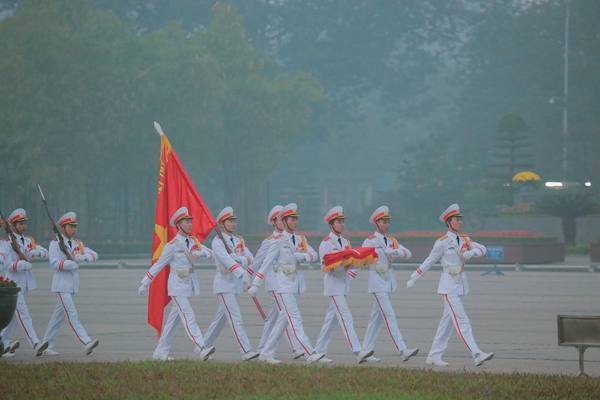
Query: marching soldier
{"x": 20, "y": 271}
{"x": 232, "y": 277}
{"x": 180, "y": 254}
{"x": 382, "y": 282}
{"x": 267, "y": 274}
{"x": 337, "y": 283}
{"x": 66, "y": 284}
{"x": 286, "y": 252}
{"x": 452, "y": 250}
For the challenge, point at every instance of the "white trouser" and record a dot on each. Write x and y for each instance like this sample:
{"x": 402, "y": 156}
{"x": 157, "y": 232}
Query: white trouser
{"x": 338, "y": 312}
{"x": 383, "y": 314}
{"x": 181, "y": 312}
{"x": 454, "y": 316}
{"x": 65, "y": 309}
{"x": 274, "y": 309}
{"x": 228, "y": 311}
{"x": 289, "y": 316}
{"x": 21, "y": 317}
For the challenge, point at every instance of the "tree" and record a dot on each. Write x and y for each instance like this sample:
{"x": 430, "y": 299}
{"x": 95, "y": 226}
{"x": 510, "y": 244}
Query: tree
{"x": 568, "y": 208}
{"x": 511, "y": 139}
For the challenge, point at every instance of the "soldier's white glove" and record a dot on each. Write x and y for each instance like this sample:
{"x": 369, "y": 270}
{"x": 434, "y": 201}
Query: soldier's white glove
{"x": 236, "y": 258}
{"x": 70, "y": 265}
{"x": 24, "y": 265}
{"x": 198, "y": 254}
{"x": 245, "y": 280}
{"x": 390, "y": 251}
{"x": 88, "y": 257}
{"x": 253, "y": 290}
{"x": 410, "y": 284}
{"x": 143, "y": 290}
{"x": 35, "y": 253}
{"x": 299, "y": 257}
{"x": 79, "y": 258}
{"x": 468, "y": 254}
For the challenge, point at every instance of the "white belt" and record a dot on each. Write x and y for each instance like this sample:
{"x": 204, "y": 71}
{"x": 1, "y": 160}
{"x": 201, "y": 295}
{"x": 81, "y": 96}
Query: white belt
{"x": 178, "y": 271}
{"x": 446, "y": 269}
{"x": 373, "y": 267}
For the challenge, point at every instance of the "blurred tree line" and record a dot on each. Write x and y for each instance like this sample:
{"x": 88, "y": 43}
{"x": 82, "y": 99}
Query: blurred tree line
{"x": 80, "y": 90}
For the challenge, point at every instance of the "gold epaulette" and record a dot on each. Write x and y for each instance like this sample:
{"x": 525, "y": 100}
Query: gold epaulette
{"x": 6, "y": 239}
{"x": 269, "y": 237}
{"x": 443, "y": 237}
{"x": 173, "y": 240}
{"x": 238, "y": 236}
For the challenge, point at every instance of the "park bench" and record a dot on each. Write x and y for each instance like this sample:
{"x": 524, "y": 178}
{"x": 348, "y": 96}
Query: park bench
{"x": 580, "y": 331}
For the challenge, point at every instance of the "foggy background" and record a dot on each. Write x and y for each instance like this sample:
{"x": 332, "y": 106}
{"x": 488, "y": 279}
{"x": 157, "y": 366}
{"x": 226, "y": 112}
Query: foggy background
{"x": 414, "y": 104}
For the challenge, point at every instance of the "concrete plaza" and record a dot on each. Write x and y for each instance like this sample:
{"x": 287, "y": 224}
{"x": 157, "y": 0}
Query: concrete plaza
{"x": 513, "y": 315}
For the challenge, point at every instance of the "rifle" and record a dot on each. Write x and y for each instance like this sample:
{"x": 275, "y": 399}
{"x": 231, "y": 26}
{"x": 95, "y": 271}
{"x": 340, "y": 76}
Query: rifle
{"x": 256, "y": 302}
{"x": 13, "y": 239}
{"x": 61, "y": 242}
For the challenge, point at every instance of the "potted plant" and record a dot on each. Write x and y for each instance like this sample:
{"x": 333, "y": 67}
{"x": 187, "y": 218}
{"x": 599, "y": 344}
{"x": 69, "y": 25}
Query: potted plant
{"x": 8, "y": 302}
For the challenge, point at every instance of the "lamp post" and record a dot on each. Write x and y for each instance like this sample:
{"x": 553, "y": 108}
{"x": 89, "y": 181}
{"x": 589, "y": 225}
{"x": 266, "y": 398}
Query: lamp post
{"x": 566, "y": 94}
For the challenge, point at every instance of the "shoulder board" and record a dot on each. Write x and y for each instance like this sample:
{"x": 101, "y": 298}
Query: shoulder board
{"x": 462, "y": 235}
{"x": 327, "y": 238}
{"x": 443, "y": 237}
{"x": 6, "y": 239}
{"x": 238, "y": 236}
{"x": 466, "y": 238}
{"x": 278, "y": 236}
{"x": 371, "y": 237}
{"x": 192, "y": 237}
{"x": 173, "y": 240}
{"x": 269, "y": 237}
{"x": 55, "y": 240}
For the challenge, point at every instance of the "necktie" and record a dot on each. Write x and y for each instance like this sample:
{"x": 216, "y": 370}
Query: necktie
{"x": 340, "y": 240}
{"x": 187, "y": 243}
{"x": 458, "y": 240}
{"x": 23, "y": 241}
{"x": 232, "y": 242}
{"x": 294, "y": 239}
{"x": 385, "y": 240}
{"x": 70, "y": 246}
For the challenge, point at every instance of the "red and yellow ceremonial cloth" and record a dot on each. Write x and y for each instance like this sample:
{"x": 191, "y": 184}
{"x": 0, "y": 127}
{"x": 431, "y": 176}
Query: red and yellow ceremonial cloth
{"x": 358, "y": 257}
{"x": 175, "y": 190}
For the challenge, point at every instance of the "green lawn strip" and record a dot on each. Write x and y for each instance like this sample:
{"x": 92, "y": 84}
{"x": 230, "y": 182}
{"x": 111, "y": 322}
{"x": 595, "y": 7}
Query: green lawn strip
{"x": 189, "y": 379}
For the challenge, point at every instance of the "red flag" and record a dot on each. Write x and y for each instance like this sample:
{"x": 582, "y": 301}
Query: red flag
{"x": 358, "y": 257}
{"x": 175, "y": 189}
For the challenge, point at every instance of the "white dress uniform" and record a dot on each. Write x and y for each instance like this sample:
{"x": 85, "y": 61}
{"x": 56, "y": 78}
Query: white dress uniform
{"x": 290, "y": 283}
{"x": 66, "y": 284}
{"x": 336, "y": 283}
{"x": 228, "y": 285}
{"x": 451, "y": 251}
{"x": 20, "y": 272}
{"x": 267, "y": 274}
{"x": 182, "y": 281}
{"x": 382, "y": 282}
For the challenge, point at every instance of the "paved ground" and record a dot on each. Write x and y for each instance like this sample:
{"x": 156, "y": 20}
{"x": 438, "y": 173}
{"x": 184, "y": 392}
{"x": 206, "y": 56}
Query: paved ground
{"x": 513, "y": 315}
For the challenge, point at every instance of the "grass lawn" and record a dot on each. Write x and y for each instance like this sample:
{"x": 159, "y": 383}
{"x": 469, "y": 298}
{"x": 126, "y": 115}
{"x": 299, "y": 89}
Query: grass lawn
{"x": 191, "y": 379}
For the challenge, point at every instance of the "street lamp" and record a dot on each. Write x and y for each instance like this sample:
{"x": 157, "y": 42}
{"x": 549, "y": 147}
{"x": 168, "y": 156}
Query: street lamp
{"x": 564, "y": 98}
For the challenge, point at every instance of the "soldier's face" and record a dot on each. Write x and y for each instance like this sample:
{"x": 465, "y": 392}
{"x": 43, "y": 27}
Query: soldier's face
{"x": 185, "y": 225}
{"x": 278, "y": 224}
{"x": 455, "y": 224}
{"x": 338, "y": 226}
{"x": 383, "y": 225}
{"x": 20, "y": 227}
{"x": 230, "y": 225}
{"x": 70, "y": 230}
{"x": 291, "y": 223}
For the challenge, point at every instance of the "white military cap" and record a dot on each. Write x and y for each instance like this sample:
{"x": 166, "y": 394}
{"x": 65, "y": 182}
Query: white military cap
{"x": 18, "y": 215}
{"x": 451, "y": 211}
{"x": 335, "y": 212}
{"x": 226, "y": 213}
{"x": 273, "y": 214}
{"x": 288, "y": 211}
{"x": 69, "y": 218}
{"x": 381, "y": 212}
{"x": 179, "y": 215}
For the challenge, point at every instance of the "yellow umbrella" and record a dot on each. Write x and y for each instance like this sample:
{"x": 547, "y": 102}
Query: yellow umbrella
{"x": 526, "y": 176}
